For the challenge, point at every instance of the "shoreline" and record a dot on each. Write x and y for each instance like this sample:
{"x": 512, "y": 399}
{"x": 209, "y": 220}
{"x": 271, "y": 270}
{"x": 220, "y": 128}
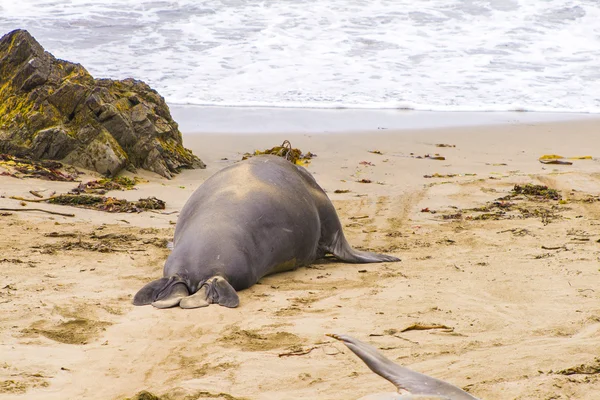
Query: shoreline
{"x": 257, "y": 120}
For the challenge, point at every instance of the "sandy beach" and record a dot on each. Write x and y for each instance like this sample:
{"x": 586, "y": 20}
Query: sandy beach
{"x": 505, "y": 291}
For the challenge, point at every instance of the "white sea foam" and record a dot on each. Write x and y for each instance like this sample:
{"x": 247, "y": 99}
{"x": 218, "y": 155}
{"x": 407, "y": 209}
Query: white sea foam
{"x": 444, "y": 55}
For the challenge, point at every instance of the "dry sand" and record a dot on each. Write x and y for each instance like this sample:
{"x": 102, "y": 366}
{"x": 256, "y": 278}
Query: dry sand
{"x": 523, "y": 321}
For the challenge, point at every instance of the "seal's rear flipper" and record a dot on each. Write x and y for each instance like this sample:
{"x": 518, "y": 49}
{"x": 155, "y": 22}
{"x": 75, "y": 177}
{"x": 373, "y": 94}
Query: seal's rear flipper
{"x": 342, "y": 250}
{"x": 221, "y": 292}
{"x": 149, "y": 292}
{"x": 215, "y": 290}
{"x": 162, "y": 293}
{"x": 196, "y": 300}
{"x": 172, "y": 295}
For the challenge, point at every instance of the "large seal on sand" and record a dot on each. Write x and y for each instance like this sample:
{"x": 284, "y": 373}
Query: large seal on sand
{"x": 251, "y": 219}
{"x": 411, "y": 385}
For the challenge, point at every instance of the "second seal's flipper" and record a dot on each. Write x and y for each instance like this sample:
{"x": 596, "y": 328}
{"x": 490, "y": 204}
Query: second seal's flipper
{"x": 419, "y": 385}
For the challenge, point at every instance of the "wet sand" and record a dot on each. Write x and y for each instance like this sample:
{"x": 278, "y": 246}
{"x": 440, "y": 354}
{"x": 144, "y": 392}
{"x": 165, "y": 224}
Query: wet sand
{"x": 514, "y": 282}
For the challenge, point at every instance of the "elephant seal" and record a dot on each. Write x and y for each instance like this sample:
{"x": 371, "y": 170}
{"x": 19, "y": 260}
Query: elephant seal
{"x": 414, "y": 385}
{"x": 251, "y": 219}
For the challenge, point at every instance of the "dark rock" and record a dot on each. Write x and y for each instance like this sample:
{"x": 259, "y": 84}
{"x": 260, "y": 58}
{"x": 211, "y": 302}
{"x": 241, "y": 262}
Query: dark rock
{"x": 54, "y": 109}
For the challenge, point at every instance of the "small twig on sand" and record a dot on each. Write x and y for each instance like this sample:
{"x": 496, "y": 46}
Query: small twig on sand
{"x": 554, "y": 247}
{"x": 405, "y": 339}
{"x": 30, "y": 200}
{"x": 164, "y": 212}
{"x": 298, "y": 352}
{"x": 37, "y": 209}
{"x": 359, "y": 217}
{"x": 424, "y": 327}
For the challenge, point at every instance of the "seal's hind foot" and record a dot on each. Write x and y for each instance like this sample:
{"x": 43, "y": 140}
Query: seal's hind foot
{"x": 196, "y": 300}
{"x": 219, "y": 291}
{"x": 363, "y": 257}
{"x": 342, "y": 250}
{"x": 162, "y": 293}
{"x": 215, "y": 290}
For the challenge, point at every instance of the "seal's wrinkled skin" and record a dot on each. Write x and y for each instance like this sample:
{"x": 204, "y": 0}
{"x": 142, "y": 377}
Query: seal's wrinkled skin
{"x": 254, "y": 218}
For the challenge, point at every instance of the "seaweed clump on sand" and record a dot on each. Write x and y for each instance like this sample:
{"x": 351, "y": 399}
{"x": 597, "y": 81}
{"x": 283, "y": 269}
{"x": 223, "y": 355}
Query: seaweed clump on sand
{"x": 144, "y": 395}
{"x": 202, "y": 394}
{"x": 293, "y": 155}
{"x": 538, "y": 192}
{"x": 27, "y": 168}
{"x": 108, "y": 204}
{"x": 104, "y": 185}
{"x": 101, "y": 203}
{"x": 521, "y": 203}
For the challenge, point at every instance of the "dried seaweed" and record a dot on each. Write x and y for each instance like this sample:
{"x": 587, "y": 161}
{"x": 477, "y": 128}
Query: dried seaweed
{"x": 26, "y": 168}
{"x": 583, "y": 369}
{"x": 75, "y": 200}
{"x": 557, "y": 157}
{"x": 558, "y": 162}
{"x": 457, "y": 215}
{"x": 550, "y": 157}
{"x": 489, "y": 216}
{"x": 285, "y": 150}
{"x": 102, "y": 186}
{"x": 108, "y": 204}
{"x": 203, "y": 394}
{"x": 436, "y": 175}
{"x": 539, "y": 192}
{"x": 520, "y": 205}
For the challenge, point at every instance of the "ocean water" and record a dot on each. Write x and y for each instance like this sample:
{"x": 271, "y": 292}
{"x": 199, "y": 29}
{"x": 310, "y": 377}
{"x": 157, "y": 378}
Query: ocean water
{"x": 440, "y": 55}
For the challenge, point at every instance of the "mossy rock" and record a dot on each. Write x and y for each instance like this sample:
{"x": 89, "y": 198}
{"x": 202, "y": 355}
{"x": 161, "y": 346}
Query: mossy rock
{"x": 54, "y": 109}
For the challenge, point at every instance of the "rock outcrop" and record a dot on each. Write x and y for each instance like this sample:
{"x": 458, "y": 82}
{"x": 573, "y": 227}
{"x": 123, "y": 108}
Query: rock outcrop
{"x": 54, "y": 109}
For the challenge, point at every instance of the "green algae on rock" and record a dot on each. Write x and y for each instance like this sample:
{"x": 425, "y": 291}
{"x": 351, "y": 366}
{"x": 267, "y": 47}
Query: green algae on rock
{"x": 54, "y": 109}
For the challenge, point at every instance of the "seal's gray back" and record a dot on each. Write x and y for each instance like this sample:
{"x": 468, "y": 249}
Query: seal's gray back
{"x": 262, "y": 211}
